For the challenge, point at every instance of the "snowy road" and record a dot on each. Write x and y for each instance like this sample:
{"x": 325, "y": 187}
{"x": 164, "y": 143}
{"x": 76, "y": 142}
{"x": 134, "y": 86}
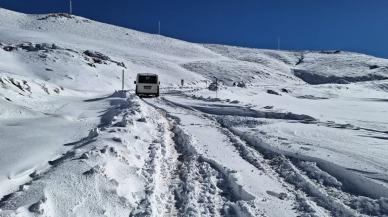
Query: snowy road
{"x": 266, "y": 177}
{"x": 286, "y": 134}
{"x": 175, "y": 156}
{"x": 246, "y": 188}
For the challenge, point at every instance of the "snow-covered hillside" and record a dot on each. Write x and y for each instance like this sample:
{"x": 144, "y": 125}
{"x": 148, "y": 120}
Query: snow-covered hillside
{"x": 287, "y": 133}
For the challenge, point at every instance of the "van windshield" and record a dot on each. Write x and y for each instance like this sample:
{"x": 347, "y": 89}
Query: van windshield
{"x": 149, "y": 79}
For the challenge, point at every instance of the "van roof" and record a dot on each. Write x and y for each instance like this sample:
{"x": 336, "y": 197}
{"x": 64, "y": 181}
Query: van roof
{"x": 147, "y": 74}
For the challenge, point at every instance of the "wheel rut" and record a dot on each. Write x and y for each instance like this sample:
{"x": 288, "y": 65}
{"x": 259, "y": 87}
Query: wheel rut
{"x": 201, "y": 186}
{"x": 310, "y": 189}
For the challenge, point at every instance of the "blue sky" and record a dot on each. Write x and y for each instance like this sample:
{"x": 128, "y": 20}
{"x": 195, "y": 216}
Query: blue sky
{"x": 354, "y": 25}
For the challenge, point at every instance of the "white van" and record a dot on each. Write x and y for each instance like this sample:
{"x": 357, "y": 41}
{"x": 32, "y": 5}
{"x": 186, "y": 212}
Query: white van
{"x": 147, "y": 84}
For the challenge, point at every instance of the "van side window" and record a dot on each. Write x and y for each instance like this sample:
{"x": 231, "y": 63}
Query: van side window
{"x": 148, "y": 79}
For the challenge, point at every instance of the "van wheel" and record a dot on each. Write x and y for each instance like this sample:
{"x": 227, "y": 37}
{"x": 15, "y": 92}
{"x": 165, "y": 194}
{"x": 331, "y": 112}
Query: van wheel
{"x": 157, "y": 93}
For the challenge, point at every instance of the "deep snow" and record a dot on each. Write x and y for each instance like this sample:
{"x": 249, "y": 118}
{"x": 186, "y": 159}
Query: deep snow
{"x": 286, "y": 133}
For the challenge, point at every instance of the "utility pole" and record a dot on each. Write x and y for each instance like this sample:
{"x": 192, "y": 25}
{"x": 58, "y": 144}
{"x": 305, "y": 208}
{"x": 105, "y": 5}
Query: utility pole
{"x": 122, "y": 84}
{"x": 122, "y": 81}
{"x": 278, "y": 43}
{"x": 71, "y": 7}
{"x": 216, "y": 87}
{"x": 159, "y": 27}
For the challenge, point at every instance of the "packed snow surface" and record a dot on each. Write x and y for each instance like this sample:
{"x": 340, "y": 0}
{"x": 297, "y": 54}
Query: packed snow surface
{"x": 251, "y": 132}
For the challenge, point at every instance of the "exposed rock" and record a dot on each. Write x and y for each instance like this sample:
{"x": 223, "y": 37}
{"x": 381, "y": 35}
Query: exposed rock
{"x": 57, "y": 90}
{"x": 121, "y": 64}
{"x": 240, "y": 84}
{"x": 95, "y": 54}
{"x": 91, "y": 65}
{"x": 28, "y": 47}
{"x": 54, "y": 47}
{"x": 122, "y": 123}
{"x": 281, "y": 196}
{"x": 374, "y": 67}
{"x": 284, "y": 90}
{"x": 117, "y": 139}
{"x": 37, "y": 207}
{"x": 57, "y": 15}
{"x": 43, "y": 46}
{"x": 141, "y": 120}
{"x": 97, "y": 60}
{"x": 9, "y": 48}
{"x": 314, "y": 78}
{"x": 84, "y": 156}
{"x": 23, "y": 86}
{"x": 300, "y": 59}
{"x": 93, "y": 170}
{"x": 213, "y": 86}
{"x": 330, "y": 52}
{"x": 273, "y": 92}
{"x": 342, "y": 81}
{"x": 44, "y": 56}
{"x": 311, "y": 97}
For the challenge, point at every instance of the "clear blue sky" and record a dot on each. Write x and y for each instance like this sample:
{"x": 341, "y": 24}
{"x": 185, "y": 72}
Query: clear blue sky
{"x": 354, "y": 25}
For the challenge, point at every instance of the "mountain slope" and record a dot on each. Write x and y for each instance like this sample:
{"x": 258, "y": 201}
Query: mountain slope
{"x": 287, "y": 133}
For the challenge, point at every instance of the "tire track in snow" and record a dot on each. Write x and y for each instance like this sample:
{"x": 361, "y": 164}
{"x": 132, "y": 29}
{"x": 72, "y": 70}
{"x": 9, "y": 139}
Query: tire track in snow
{"x": 159, "y": 170}
{"x": 319, "y": 177}
{"x": 336, "y": 187}
{"x": 318, "y": 184}
{"x": 286, "y": 169}
{"x": 203, "y": 187}
{"x": 256, "y": 159}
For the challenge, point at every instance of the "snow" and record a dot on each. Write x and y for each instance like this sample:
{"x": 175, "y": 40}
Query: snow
{"x": 287, "y": 133}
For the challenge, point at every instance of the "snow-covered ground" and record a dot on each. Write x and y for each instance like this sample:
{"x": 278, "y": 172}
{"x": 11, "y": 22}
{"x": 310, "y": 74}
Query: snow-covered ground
{"x": 287, "y": 133}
